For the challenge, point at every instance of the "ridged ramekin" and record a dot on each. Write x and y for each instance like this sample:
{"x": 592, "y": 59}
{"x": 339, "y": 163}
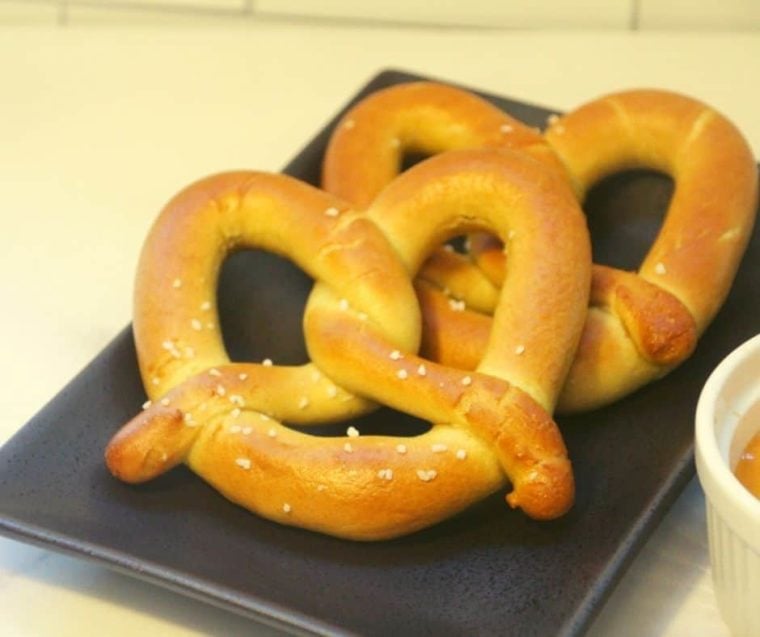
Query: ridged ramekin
{"x": 728, "y": 414}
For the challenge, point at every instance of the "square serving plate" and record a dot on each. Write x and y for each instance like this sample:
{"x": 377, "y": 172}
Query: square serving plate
{"x": 489, "y": 571}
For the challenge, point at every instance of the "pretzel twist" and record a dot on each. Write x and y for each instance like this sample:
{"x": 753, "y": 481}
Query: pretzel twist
{"x": 640, "y": 325}
{"x": 362, "y": 328}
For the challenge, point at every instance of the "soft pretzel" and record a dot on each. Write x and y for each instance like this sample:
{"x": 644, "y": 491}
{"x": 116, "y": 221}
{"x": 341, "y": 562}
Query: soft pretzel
{"x": 640, "y": 325}
{"x": 362, "y": 331}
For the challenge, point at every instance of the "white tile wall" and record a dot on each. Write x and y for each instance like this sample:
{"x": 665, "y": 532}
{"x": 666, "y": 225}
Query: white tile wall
{"x": 519, "y": 14}
{"x": 188, "y": 5}
{"x": 160, "y": 11}
{"x": 702, "y": 14}
{"x": 172, "y": 13}
{"x": 20, "y": 12}
{"x": 494, "y": 13}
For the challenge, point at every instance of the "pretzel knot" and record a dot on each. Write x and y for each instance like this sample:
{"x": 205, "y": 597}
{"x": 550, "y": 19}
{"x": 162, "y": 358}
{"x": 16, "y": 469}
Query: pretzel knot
{"x": 362, "y": 329}
{"x": 640, "y": 325}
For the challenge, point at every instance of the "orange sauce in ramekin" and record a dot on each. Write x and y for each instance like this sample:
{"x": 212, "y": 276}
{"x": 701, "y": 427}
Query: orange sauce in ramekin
{"x": 748, "y": 468}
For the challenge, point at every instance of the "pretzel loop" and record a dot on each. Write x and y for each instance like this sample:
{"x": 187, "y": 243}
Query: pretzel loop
{"x": 180, "y": 348}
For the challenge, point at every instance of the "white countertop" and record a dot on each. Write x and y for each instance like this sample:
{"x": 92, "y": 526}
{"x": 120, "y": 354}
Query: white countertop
{"x": 100, "y": 125}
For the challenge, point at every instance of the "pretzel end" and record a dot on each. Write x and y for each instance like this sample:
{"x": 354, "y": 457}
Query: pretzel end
{"x": 545, "y": 492}
{"x": 534, "y": 457}
{"x": 147, "y": 446}
{"x": 663, "y": 329}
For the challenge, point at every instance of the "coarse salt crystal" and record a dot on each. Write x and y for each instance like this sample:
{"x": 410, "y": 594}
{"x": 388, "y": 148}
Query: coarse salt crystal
{"x": 427, "y": 475}
{"x": 385, "y": 474}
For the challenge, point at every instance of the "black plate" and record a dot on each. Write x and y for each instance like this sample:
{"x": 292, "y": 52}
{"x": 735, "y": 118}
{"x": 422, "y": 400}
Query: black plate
{"x": 489, "y": 571}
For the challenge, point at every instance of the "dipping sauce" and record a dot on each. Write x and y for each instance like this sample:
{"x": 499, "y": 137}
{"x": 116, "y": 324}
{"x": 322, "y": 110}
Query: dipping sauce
{"x": 748, "y": 468}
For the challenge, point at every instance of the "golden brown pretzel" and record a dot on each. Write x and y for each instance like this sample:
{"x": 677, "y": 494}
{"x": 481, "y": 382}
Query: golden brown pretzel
{"x": 640, "y": 326}
{"x": 362, "y": 327}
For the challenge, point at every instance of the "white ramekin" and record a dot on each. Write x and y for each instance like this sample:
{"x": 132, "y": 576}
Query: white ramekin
{"x": 728, "y": 414}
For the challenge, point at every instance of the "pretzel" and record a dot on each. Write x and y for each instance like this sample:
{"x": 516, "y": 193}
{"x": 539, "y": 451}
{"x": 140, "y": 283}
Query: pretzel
{"x": 362, "y": 328}
{"x": 640, "y": 325}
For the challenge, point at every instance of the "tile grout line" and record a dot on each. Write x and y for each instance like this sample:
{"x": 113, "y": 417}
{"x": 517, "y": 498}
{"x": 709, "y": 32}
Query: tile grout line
{"x": 634, "y": 19}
